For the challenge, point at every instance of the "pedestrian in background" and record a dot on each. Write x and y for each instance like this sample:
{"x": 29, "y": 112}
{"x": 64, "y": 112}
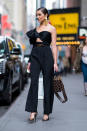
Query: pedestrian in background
{"x": 42, "y": 58}
{"x": 66, "y": 64}
{"x": 68, "y": 56}
{"x": 84, "y": 64}
{"x": 77, "y": 62}
{"x": 60, "y": 65}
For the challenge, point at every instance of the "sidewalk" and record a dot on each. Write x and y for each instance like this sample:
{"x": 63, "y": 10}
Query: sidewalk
{"x": 71, "y": 116}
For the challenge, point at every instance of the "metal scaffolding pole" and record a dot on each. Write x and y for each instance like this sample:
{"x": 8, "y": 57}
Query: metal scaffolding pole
{"x": 36, "y": 9}
{"x": 0, "y": 25}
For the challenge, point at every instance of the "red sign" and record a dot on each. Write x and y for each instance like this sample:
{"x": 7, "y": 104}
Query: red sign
{"x": 5, "y": 23}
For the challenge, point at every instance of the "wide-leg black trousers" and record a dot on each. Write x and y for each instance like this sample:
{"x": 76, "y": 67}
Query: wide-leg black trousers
{"x": 41, "y": 59}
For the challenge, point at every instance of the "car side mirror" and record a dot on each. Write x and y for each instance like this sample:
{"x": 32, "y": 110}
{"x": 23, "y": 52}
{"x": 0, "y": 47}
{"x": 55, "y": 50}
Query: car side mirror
{"x": 16, "y": 51}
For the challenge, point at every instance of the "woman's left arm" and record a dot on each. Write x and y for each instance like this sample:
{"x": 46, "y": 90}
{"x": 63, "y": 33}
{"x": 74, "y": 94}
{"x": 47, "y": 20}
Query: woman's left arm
{"x": 54, "y": 49}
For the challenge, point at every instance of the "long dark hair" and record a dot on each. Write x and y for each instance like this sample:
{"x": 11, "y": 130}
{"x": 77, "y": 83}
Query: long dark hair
{"x": 44, "y": 11}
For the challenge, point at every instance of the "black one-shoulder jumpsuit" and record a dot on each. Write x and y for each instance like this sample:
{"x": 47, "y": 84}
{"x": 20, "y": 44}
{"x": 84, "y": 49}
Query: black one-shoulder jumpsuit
{"x": 41, "y": 60}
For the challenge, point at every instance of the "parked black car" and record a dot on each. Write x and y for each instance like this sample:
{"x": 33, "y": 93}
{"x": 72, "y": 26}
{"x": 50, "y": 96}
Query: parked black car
{"x": 10, "y": 69}
{"x": 24, "y": 64}
{"x": 27, "y": 57}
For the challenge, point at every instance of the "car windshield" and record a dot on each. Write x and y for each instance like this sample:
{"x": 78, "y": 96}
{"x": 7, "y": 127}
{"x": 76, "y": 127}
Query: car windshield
{"x": 2, "y": 46}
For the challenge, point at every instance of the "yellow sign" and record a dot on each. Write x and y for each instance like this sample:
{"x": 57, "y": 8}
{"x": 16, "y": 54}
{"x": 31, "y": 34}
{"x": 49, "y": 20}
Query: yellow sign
{"x": 68, "y": 43}
{"x": 65, "y": 38}
{"x": 66, "y": 23}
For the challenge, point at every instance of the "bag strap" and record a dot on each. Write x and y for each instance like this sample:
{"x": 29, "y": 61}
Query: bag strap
{"x": 63, "y": 90}
{"x": 64, "y": 95}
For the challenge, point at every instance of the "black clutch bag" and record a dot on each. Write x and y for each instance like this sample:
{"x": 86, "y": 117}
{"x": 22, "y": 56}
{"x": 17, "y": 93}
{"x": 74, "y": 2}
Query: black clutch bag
{"x": 59, "y": 87}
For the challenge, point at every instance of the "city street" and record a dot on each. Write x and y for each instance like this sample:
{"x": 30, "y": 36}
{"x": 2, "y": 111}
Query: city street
{"x": 34, "y": 35}
{"x": 71, "y": 116}
{"x": 4, "y": 107}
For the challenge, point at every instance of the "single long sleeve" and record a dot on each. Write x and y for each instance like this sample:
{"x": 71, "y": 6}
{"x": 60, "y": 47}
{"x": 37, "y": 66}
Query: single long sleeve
{"x": 31, "y": 36}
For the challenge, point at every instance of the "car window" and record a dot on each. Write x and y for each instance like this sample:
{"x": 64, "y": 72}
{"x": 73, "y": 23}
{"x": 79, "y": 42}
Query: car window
{"x": 13, "y": 43}
{"x": 2, "y": 46}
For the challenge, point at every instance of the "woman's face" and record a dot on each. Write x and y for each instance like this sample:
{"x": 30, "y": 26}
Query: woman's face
{"x": 40, "y": 16}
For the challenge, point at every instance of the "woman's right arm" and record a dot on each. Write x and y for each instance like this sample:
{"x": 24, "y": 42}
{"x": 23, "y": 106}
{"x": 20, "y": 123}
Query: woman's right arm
{"x": 28, "y": 66}
{"x": 54, "y": 49}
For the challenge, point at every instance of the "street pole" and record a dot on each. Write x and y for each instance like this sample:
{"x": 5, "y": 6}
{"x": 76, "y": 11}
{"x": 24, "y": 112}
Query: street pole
{"x": 0, "y": 25}
{"x": 36, "y": 9}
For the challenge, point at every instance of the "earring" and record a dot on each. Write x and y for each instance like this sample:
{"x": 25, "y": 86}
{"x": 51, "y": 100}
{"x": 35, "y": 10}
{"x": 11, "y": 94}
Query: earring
{"x": 46, "y": 21}
{"x": 45, "y": 18}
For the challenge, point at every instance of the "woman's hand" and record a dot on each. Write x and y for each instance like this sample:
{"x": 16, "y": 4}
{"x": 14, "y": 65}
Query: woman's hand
{"x": 28, "y": 66}
{"x": 55, "y": 67}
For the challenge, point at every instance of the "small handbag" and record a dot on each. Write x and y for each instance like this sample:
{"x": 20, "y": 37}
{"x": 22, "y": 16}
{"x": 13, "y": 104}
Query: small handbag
{"x": 59, "y": 87}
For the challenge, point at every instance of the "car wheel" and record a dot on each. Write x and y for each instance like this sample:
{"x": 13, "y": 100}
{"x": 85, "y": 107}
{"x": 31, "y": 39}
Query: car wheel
{"x": 8, "y": 91}
{"x": 23, "y": 82}
{"x": 25, "y": 79}
{"x": 20, "y": 84}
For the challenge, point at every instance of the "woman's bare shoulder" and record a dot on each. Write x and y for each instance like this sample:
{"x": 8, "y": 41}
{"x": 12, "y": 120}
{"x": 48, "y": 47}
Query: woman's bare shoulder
{"x": 52, "y": 28}
{"x": 85, "y": 47}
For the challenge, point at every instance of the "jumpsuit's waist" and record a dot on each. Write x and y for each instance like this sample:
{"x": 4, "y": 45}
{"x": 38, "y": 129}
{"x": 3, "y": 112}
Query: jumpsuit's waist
{"x": 39, "y": 44}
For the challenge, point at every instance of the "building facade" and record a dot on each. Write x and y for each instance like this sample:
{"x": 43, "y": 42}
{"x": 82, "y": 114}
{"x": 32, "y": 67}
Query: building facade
{"x": 16, "y": 11}
{"x": 31, "y": 14}
{"x": 84, "y": 13}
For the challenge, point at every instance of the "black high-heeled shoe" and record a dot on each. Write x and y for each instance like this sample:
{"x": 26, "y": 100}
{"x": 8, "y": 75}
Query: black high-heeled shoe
{"x": 33, "y": 119}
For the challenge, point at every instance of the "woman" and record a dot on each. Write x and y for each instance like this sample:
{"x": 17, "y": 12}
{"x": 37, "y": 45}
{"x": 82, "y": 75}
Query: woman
{"x": 84, "y": 64}
{"x": 42, "y": 59}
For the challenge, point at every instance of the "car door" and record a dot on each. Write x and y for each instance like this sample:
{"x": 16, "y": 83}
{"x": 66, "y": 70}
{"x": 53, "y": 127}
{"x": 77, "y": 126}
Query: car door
{"x": 15, "y": 61}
